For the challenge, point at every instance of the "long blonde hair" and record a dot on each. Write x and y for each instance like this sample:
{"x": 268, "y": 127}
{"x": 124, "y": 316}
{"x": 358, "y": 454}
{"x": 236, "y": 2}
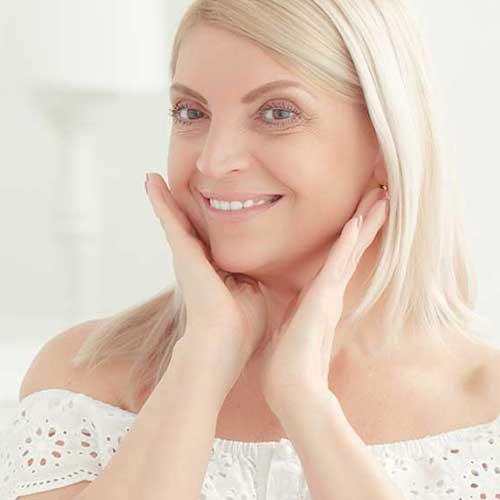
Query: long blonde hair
{"x": 371, "y": 53}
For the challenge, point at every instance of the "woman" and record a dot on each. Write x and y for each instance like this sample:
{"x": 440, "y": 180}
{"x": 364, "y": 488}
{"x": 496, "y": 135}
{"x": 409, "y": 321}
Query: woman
{"x": 301, "y": 354}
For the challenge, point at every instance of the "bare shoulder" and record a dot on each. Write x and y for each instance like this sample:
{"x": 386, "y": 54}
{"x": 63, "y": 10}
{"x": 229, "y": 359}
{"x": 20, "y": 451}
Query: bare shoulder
{"x": 51, "y": 368}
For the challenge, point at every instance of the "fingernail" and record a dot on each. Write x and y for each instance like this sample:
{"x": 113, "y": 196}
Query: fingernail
{"x": 385, "y": 204}
{"x": 384, "y": 195}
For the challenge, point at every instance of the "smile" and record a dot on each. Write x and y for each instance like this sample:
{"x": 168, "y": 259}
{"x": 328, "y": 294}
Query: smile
{"x": 237, "y": 215}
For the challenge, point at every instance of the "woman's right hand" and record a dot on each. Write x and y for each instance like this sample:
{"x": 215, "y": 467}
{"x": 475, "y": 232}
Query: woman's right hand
{"x": 226, "y": 313}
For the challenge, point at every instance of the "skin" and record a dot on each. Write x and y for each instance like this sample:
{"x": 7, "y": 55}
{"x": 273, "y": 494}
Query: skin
{"x": 324, "y": 161}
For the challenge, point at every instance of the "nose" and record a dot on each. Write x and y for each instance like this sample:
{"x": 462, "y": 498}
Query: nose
{"x": 225, "y": 150}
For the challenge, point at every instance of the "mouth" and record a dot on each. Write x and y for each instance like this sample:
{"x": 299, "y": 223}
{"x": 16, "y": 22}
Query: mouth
{"x": 242, "y": 214}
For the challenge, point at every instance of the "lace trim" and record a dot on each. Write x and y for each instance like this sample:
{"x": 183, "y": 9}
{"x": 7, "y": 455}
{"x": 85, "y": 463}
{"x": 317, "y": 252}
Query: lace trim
{"x": 60, "y": 437}
{"x": 11, "y": 492}
{"x": 431, "y": 444}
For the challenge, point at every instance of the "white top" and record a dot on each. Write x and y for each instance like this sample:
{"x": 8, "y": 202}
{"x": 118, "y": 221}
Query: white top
{"x": 59, "y": 437}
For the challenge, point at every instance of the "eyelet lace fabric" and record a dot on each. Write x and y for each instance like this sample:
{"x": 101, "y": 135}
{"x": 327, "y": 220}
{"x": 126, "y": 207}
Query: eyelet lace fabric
{"x": 59, "y": 437}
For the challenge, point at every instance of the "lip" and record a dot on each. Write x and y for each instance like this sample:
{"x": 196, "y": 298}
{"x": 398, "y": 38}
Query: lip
{"x": 239, "y": 215}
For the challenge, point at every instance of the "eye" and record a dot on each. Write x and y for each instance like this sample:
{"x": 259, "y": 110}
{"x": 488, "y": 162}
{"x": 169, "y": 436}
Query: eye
{"x": 177, "y": 109}
{"x": 275, "y": 114}
{"x": 284, "y": 108}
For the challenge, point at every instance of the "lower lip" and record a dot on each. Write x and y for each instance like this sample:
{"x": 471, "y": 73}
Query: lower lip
{"x": 238, "y": 215}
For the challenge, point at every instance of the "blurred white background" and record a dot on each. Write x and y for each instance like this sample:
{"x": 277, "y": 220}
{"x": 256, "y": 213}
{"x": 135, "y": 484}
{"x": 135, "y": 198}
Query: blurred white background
{"x": 84, "y": 100}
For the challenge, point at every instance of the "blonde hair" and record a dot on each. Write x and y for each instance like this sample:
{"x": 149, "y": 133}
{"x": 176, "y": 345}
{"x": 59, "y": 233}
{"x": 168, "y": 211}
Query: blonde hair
{"x": 370, "y": 53}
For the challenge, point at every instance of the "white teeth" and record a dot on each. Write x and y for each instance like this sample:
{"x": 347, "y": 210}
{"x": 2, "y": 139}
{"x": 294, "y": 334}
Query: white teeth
{"x": 237, "y": 205}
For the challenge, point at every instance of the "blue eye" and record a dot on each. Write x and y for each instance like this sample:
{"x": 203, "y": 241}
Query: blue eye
{"x": 280, "y": 120}
{"x": 174, "y": 113}
{"x": 282, "y": 108}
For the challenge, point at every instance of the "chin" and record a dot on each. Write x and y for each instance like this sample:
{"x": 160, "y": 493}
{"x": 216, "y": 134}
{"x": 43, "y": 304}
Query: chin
{"x": 234, "y": 263}
{"x": 252, "y": 264}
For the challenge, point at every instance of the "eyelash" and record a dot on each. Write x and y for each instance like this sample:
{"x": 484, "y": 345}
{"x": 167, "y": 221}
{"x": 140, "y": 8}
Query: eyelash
{"x": 283, "y": 106}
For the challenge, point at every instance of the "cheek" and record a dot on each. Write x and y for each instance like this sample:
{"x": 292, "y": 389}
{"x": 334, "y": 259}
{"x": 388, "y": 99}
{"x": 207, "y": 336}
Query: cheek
{"x": 330, "y": 182}
{"x": 321, "y": 208}
{"x": 285, "y": 159}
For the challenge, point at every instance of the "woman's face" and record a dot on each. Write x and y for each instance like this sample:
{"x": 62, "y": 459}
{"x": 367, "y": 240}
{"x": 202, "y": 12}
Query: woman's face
{"x": 313, "y": 148}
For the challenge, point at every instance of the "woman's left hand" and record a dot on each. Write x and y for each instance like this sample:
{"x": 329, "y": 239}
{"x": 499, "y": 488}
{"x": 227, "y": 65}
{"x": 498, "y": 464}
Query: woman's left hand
{"x": 297, "y": 358}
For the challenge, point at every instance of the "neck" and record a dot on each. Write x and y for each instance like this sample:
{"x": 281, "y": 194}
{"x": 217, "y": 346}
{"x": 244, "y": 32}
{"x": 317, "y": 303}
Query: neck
{"x": 283, "y": 284}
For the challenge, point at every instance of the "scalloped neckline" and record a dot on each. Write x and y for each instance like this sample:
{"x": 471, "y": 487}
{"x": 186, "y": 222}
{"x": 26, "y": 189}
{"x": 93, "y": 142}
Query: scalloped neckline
{"x": 405, "y": 446}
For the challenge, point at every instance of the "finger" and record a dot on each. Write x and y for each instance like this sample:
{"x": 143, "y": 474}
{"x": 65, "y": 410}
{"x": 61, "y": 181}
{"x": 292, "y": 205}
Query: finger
{"x": 371, "y": 226}
{"x": 374, "y": 220}
{"x": 341, "y": 261}
{"x": 368, "y": 201}
{"x": 180, "y": 233}
{"x": 172, "y": 218}
{"x": 335, "y": 270}
{"x": 184, "y": 240}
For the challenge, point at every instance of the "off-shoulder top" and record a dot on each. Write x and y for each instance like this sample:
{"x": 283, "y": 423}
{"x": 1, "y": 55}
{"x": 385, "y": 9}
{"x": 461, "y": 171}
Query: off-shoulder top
{"x": 59, "y": 437}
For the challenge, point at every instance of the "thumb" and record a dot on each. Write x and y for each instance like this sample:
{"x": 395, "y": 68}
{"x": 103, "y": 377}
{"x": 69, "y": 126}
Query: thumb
{"x": 190, "y": 255}
{"x": 172, "y": 218}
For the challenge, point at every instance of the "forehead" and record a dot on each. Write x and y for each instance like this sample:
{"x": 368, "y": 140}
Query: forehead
{"x": 219, "y": 56}
{"x": 223, "y": 66}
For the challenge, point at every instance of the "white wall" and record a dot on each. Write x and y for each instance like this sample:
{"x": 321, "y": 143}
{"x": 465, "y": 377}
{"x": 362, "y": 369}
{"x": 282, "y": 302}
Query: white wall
{"x": 131, "y": 138}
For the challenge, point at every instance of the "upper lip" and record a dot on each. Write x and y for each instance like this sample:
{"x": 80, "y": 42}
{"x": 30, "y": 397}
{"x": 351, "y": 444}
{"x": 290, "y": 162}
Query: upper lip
{"x": 238, "y": 196}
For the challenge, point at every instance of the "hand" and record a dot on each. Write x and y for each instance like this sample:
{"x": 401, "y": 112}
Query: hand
{"x": 226, "y": 313}
{"x": 297, "y": 357}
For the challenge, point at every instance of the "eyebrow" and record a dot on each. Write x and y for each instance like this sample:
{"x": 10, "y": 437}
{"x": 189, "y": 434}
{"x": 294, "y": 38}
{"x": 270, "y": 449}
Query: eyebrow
{"x": 252, "y": 96}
